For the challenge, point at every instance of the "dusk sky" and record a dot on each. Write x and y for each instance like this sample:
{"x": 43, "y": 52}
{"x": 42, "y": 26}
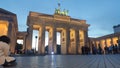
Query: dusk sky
{"x": 102, "y": 15}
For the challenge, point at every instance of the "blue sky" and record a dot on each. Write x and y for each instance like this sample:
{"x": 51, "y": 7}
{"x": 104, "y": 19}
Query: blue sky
{"x": 102, "y": 15}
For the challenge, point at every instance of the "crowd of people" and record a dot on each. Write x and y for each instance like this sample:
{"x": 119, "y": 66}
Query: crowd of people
{"x": 112, "y": 49}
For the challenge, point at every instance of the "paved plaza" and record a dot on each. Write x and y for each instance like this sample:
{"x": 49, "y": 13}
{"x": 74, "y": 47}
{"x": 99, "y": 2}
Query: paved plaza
{"x": 68, "y": 61}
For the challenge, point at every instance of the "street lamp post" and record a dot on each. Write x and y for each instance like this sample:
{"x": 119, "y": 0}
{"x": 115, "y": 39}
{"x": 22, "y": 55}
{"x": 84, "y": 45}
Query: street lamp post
{"x": 35, "y": 43}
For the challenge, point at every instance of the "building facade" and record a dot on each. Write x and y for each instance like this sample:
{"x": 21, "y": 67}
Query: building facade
{"x": 9, "y": 26}
{"x": 107, "y": 40}
{"x": 116, "y": 28}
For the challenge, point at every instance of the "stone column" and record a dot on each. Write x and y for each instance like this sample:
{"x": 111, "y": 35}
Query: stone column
{"x": 63, "y": 42}
{"x": 41, "y": 40}
{"x": 119, "y": 42}
{"x": 67, "y": 40}
{"x": 25, "y": 39}
{"x": 118, "y": 39}
{"x": 50, "y": 45}
{"x": 80, "y": 45}
{"x": 102, "y": 44}
{"x": 96, "y": 45}
{"x": 29, "y": 38}
{"x": 111, "y": 42}
{"x": 77, "y": 40}
{"x": 9, "y": 33}
{"x": 105, "y": 42}
{"x": 24, "y": 43}
{"x": 54, "y": 40}
{"x": 85, "y": 38}
{"x": 12, "y": 35}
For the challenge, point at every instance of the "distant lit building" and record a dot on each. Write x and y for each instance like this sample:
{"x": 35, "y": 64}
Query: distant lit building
{"x": 107, "y": 40}
{"x": 9, "y": 27}
{"x": 116, "y": 28}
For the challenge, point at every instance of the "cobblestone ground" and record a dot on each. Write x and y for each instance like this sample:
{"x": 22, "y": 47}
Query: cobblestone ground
{"x": 68, "y": 61}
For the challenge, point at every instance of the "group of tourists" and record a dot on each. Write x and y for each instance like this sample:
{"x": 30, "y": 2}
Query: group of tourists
{"x": 85, "y": 50}
{"x": 88, "y": 50}
{"x": 112, "y": 49}
{"x": 96, "y": 50}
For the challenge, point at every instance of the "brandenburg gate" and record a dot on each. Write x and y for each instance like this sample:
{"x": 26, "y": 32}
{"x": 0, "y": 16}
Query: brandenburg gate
{"x": 73, "y": 32}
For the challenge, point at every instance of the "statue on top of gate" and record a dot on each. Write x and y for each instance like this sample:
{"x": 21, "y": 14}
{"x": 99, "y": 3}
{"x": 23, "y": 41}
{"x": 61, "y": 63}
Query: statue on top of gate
{"x": 59, "y": 12}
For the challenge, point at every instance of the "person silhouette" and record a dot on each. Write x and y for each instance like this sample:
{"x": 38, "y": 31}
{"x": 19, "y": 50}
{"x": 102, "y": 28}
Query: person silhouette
{"x": 5, "y": 59}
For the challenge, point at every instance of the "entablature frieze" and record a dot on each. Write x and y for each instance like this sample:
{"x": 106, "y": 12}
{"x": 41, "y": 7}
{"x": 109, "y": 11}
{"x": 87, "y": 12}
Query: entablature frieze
{"x": 82, "y": 22}
{"x": 7, "y": 15}
{"x": 8, "y": 18}
{"x": 61, "y": 18}
{"x": 35, "y": 20}
{"x": 55, "y": 18}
